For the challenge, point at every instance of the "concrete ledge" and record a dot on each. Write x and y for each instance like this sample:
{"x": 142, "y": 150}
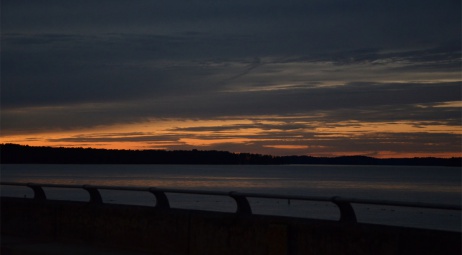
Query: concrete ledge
{"x": 175, "y": 231}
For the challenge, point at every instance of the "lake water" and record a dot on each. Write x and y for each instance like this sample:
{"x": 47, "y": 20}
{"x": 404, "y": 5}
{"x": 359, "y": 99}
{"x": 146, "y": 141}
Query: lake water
{"x": 400, "y": 183}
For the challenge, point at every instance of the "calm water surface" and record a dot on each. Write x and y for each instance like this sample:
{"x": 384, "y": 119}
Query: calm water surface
{"x": 401, "y": 183}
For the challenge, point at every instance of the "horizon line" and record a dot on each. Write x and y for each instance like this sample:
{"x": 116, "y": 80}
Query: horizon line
{"x": 231, "y": 152}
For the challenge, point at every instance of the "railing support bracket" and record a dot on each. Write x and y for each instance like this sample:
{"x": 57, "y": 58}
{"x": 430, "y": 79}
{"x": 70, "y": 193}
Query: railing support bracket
{"x": 161, "y": 198}
{"x": 39, "y": 194}
{"x": 95, "y": 196}
{"x": 347, "y": 213}
{"x": 243, "y": 206}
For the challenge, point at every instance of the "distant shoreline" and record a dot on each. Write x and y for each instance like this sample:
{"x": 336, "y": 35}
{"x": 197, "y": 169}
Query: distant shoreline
{"x": 23, "y": 154}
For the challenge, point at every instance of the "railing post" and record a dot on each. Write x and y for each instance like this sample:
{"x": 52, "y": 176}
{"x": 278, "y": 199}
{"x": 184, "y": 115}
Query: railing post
{"x": 95, "y": 196}
{"x": 243, "y": 206}
{"x": 161, "y": 198}
{"x": 39, "y": 194}
{"x": 347, "y": 213}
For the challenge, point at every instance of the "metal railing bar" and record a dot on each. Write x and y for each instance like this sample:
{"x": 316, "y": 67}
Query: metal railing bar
{"x": 247, "y": 195}
{"x": 197, "y": 192}
{"x": 292, "y": 197}
{"x": 401, "y": 203}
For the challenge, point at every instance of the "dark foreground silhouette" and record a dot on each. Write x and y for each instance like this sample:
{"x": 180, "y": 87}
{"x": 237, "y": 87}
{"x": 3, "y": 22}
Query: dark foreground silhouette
{"x": 23, "y": 154}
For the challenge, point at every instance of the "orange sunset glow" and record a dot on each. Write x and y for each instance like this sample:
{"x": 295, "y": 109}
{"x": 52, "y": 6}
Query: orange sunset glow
{"x": 309, "y": 138}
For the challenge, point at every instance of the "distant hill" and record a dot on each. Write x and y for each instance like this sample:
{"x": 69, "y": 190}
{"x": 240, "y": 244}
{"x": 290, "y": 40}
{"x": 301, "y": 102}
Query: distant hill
{"x": 23, "y": 154}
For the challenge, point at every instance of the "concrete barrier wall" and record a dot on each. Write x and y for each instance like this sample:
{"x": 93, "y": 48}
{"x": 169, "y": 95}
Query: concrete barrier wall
{"x": 176, "y": 231}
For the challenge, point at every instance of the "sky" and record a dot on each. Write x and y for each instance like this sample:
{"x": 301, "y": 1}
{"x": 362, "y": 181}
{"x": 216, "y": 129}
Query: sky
{"x": 280, "y": 77}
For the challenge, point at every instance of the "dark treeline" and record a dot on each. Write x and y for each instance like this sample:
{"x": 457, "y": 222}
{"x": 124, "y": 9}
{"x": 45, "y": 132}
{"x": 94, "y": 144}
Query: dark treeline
{"x": 20, "y": 154}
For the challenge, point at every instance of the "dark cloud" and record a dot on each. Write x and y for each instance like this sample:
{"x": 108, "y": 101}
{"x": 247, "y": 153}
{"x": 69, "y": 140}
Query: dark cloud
{"x": 299, "y": 101}
{"x": 358, "y": 101}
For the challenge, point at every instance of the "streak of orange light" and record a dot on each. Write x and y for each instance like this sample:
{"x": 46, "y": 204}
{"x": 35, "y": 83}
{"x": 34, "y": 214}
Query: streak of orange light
{"x": 287, "y": 147}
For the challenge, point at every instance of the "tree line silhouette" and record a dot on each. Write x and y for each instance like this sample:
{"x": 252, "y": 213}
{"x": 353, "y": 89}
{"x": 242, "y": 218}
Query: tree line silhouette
{"x": 24, "y": 154}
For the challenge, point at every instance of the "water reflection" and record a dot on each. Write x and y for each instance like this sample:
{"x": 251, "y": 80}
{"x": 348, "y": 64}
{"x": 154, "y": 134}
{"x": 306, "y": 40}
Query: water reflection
{"x": 416, "y": 184}
{"x": 233, "y": 183}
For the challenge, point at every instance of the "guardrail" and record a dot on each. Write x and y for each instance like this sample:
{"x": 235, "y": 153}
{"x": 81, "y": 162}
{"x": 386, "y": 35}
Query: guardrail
{"x": 347, "y": 213}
